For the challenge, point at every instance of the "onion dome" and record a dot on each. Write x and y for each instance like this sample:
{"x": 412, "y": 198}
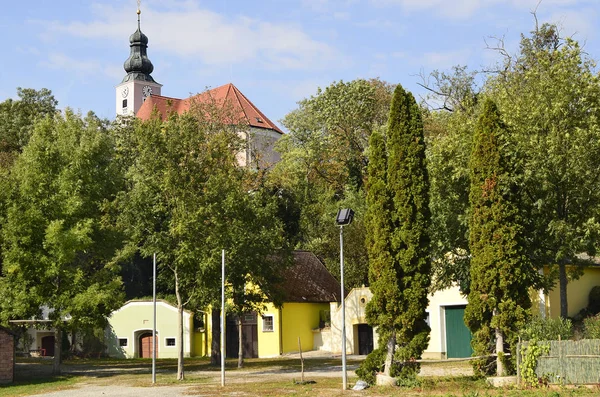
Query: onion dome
{"x": 138, "y": 66}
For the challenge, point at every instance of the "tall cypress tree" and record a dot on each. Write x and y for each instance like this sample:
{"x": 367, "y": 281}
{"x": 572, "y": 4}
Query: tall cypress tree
{"x": 501, "y": 272}
{"x": 398, "y": 244}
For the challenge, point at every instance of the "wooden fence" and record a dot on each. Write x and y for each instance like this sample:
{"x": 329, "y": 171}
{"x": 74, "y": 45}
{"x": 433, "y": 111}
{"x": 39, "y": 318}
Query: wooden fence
{"x": 570, "y": 362}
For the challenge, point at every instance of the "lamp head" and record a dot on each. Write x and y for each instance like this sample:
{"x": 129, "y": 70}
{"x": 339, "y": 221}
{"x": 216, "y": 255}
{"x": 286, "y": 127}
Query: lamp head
{"x": 344, "y": 217}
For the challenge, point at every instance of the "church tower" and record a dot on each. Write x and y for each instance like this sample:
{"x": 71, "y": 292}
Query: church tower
{"x": 138, "y": 84}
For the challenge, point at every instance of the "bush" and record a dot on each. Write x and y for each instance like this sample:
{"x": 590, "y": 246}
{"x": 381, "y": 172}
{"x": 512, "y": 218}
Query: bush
{"x": 372, "y": 365}
{"x": 591, "y": 327}
{"x": 548, "y": 329}
{"x": 594, "y": 300}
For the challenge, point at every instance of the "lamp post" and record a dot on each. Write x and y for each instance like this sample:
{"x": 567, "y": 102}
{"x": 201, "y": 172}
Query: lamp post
{"x": 344, "y": 218}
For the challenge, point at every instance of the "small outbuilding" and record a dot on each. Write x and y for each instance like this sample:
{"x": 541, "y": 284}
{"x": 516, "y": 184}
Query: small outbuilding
{"x": 7, "y": 355}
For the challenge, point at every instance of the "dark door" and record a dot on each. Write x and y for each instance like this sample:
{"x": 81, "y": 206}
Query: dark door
{"x": 146, "y": 345}
{"x": 365, "y": 339}
{"x": 48, "y": 345}
{"x": 249, "y": 336}
{"x": 458, "y": 336}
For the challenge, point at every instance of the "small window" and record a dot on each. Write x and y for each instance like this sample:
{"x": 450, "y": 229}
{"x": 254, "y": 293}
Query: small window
{"x": 124, "y": 103}
{"x": 170, "y": 341}
{"x": 267, "y": 323}
{"x": 123, "y": 342}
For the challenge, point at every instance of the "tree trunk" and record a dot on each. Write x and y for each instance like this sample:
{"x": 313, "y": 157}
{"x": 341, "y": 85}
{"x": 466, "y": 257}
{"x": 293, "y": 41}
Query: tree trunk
{"x": 562, "y": 277}
{"x": 215, "y": 345}
{"x": 241, "y": 341}
{"x": 389, "y": 358}
{"x": 180, "y": 374}
{"x": 73, "y": 342}
{"x": 56, "y": 364}
{"x": 499, "y": 351}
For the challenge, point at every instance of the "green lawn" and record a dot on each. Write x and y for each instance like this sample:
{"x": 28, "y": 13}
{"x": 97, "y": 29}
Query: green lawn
{"x": 259, "y": 377}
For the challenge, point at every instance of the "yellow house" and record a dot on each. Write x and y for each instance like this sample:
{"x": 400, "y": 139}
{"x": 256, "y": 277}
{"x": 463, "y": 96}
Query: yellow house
{"x": 577, "y": 294}
{"x": 308, "y": 290}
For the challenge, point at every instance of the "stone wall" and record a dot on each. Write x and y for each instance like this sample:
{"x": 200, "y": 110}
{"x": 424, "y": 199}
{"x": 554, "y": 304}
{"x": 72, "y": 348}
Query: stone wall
{"x": 7, "y": 356}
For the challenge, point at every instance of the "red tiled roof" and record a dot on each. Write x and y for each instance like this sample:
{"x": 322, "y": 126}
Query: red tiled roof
{"x": 228, "y": 95}
{"x": 308, "y": 280}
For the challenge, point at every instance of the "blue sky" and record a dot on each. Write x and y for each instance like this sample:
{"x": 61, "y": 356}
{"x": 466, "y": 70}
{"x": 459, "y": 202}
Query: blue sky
{"x": 275, "y": 51}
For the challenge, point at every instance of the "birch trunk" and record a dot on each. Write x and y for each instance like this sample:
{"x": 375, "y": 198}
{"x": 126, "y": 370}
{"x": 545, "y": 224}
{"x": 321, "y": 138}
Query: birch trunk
{"x": 389, "y": 358}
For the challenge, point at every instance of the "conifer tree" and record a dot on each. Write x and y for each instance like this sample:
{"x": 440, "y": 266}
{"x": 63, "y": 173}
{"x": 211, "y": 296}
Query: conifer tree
{"x": 501, "y": 272}
{"x": 398, "y": 244}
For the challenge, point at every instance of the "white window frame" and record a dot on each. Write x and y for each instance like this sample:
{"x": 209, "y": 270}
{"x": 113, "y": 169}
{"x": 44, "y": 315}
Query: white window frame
{"x": 264, "y": 317}
{"x": 174, "y": 341}
{"x": 126, "y": 342}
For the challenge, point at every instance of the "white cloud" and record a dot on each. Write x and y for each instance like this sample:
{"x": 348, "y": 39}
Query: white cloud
{"x": 443, "y": 59}
{"x": 580, "y": 24}
{"x": 463, "y": 9}
{"x": 81, "y": 68}
{"x": 188, "y": 31}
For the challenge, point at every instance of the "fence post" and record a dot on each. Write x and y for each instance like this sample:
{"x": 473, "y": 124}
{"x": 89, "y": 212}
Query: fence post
{"x": 519, "y": 361}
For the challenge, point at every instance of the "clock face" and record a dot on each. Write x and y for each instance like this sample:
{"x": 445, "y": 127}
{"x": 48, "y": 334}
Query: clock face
{"x": 125, "y": 92}
{"x": 146, "y": 91}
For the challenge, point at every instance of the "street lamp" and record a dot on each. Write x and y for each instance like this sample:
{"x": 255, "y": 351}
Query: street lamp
{"x": 344, "y": 218}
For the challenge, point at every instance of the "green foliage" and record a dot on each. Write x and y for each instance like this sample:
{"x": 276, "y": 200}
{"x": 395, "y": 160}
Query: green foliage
{"x": 549, "y": 96}
{"x": 501, "y": 272}
{"x": 372, "y": 365}
{"x": 17, "y": 118}
{"x": 591, "y": 327}
{"x": 547, "y": 329}
{"x": 530, "y": 353}
{"x": 188, "y": 199}
{"x": 449, "y": 141}
{"x": 397, "y": 224}
{"x": 323, "y": 166}
{"x": 59, "y": 240}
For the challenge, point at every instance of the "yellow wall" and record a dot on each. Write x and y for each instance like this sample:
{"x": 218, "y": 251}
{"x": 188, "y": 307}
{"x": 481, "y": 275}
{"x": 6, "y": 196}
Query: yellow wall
{"x": 268, "y": 341}
{"x": 577, "y": 293}
{"x": 299, "y": 319}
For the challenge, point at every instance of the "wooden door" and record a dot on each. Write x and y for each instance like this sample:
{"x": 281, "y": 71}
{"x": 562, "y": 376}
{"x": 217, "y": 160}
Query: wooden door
{"x": 48, "y": 345}
{"x": 365, "y": 339}
{"x": 146, "y": 345}
{"x": 249, "y": 336}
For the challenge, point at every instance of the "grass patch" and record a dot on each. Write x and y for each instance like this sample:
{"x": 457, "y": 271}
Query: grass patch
{"x": 28, "y": 387}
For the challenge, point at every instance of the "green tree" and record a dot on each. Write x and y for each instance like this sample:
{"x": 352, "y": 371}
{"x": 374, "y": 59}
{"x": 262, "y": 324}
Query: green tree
{"x": 549, "y": 96}
{"x": 187, "y": 200}
{"x": 501, "y": 271}
{"x": 58, "y": 236}
{"x": 398, "y": 243}
{"x": 17, "y": 118}
{"x": 323, "y": 166}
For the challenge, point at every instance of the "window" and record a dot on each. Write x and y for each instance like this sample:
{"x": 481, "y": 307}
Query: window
{"x": 123, "y": 342}
{"x": 124, "y": 103}
{"x": 267, "y": 323}
{"x": 170, "y": 341}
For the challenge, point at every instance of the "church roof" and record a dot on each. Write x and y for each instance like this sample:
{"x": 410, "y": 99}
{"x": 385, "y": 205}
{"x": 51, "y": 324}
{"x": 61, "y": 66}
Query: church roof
{"x": 227, "y": 97}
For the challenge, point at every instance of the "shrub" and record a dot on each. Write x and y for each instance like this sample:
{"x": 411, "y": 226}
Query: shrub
{"x": 371, "y": 366}
{"x": 591, "y": 327}
{"x": 548, "y": 329}
{"x": 594, "y": 300}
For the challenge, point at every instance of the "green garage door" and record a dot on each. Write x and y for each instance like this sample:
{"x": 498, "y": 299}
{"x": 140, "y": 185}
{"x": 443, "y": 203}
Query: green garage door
{"x": 458, "y": 336}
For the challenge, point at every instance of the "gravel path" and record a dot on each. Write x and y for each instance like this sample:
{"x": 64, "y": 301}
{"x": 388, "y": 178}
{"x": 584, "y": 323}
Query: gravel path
{"x": 101, "y": 385}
